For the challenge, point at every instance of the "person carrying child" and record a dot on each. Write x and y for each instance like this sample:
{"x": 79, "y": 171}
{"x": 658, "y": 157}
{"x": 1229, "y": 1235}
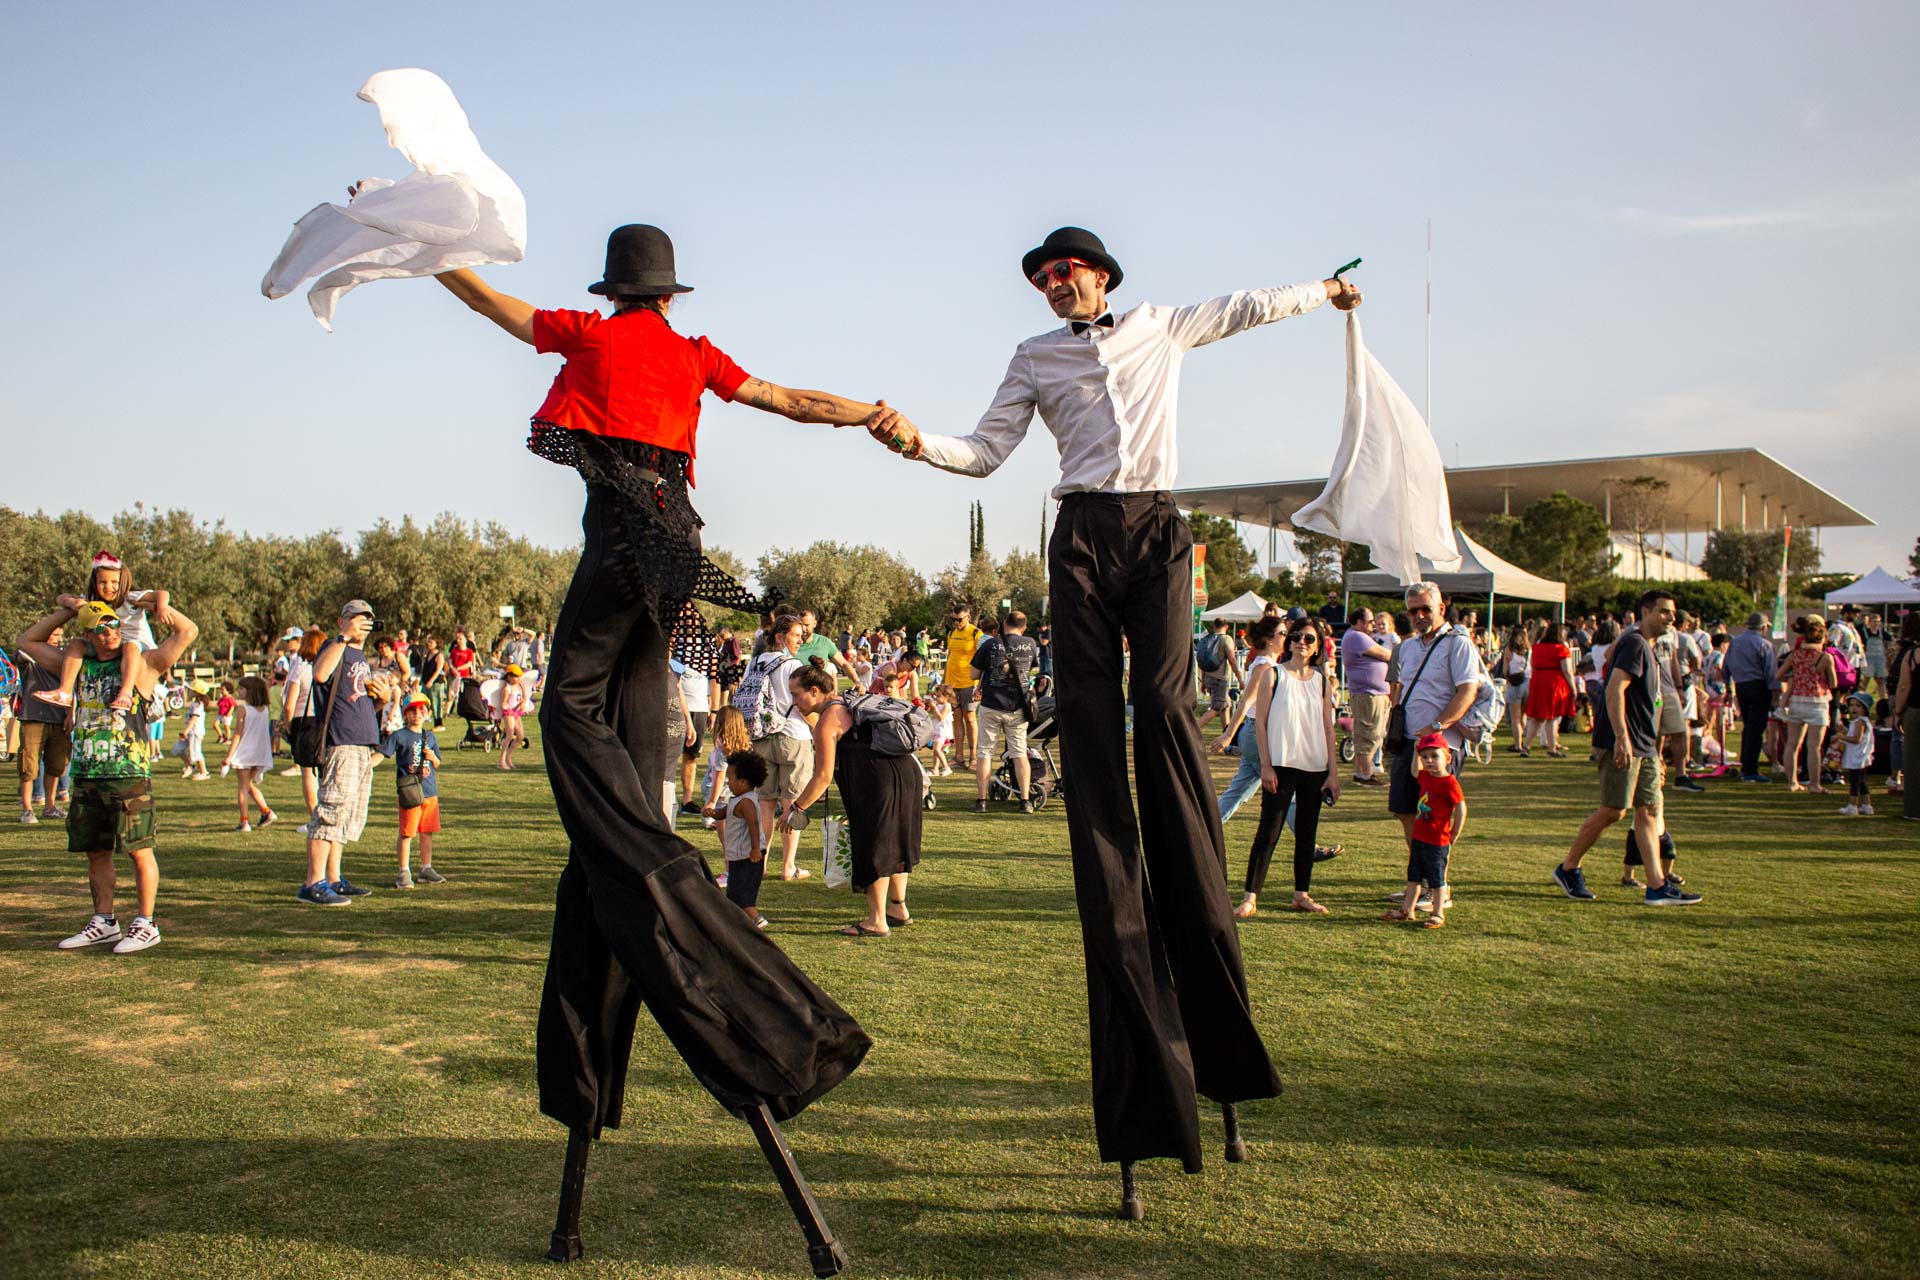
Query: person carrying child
{"x": 1857, "y": 754}
{"x": 107, "y": 583}
{"x": 1437, "y": 823}
{"x": 741, "y": 838}
{"x": 415, "y": 753}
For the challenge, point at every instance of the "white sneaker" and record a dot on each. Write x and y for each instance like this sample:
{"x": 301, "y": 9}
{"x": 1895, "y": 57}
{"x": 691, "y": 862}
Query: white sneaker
{"x": 99, "y": 929}
{"x": 1849, "y": 811}
{"x": 141, "y": 934}
{"x": 27, "y": 818}
{"x": 302, "y": 828}
{"x": 1866, "y": 811}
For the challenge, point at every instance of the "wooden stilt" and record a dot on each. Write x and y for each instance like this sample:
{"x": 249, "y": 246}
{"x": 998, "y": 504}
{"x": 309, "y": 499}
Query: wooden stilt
{"x": 1130, "y": 1206}
{"x": 823, "y": 1251}
{"x": 1236, "y": 1145}
{"x": 565, "y": 1245}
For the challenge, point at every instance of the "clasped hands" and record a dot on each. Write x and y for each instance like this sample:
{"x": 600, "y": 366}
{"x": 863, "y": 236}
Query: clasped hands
{"x": 892, "y": 429}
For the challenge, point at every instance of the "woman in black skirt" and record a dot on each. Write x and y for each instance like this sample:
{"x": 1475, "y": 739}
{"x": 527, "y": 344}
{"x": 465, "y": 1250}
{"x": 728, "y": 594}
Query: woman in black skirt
{"x": 882, "y": 798}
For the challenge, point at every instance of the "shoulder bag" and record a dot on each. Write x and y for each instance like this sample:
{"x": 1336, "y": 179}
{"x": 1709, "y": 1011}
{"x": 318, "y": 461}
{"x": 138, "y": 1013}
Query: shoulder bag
{"x": 307, "y": 738}
{"x": 1396, "y": 736}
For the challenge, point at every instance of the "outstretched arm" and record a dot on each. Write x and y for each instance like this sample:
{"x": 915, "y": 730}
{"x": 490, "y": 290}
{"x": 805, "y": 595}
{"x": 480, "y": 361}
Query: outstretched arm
{"x": 184, "y": 631}
{"x": 33, "y": 641}
{"x": 804, "y": 406}
{"x": 1217, "y": 318}
{"x": 1000, "y": 430}
{"x": 509, "y": 312}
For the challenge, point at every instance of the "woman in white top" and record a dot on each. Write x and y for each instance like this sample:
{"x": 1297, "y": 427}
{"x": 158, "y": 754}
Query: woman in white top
{"x": 1514, "y": 665}
{"x": 1298, "y": 764}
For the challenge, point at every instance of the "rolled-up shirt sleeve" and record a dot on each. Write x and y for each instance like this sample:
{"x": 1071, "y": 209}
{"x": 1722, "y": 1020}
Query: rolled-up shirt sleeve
{"x": 1217, "y": 318}
{"x": 1000, "y": 429}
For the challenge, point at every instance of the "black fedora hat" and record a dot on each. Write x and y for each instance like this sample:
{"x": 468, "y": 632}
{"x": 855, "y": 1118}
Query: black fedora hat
{"x": 639, "y": 264}
{"x": 1072, "y": 242}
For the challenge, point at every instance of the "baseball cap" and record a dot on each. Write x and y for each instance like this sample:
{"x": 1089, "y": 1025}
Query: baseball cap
{"x": 95, "y": 614}
{"x": 294, "y": 633}
{"x": 355, "y": 609}
{"x": 513, "y": 669}
{"x": 1430, "y": 741}
{"x": 414, "y": 699}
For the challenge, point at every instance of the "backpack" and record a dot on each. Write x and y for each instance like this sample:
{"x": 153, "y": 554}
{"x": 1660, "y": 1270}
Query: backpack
{"x": 754, "y": 698}
{"x": 891, "y": 727}
{"x": 9, "y": 678}
{"x": 1211, "y": 652}
{"x": 1489, "y": 710}
{"x": 1845, "y": 678}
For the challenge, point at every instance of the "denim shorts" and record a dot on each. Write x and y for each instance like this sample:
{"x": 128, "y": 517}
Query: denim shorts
{"x": 1426, "y": 863}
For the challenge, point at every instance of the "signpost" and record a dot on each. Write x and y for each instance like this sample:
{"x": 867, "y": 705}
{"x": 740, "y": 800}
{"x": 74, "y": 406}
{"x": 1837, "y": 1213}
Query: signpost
{"x": 1199, "y": 584}
{"x": 1780, "y": 597}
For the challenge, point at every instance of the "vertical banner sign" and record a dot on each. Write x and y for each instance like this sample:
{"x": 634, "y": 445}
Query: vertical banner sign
{"x": 1780, "y": 597}
{"x": 1199, "y": 583}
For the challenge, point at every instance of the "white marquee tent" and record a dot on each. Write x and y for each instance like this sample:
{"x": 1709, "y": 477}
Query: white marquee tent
{"x": 1247, "y": 608}
{"x": 1878, "y": 587}
{"x": 1481, "y": 573}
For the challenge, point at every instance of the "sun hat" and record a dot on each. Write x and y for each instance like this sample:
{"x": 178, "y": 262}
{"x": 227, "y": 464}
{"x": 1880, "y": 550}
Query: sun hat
{"x": 201, "y": 687}
{"x": 513, "y": 669}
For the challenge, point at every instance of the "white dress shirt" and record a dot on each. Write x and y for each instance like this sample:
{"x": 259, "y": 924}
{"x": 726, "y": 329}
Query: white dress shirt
{"x": 1109, "y": 394}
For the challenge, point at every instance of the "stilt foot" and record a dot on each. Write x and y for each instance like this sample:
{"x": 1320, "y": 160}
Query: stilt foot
{"x": 564, "y": 1248}
{"x": 1236, "y": 1145}
{"x": 1131, "y": 1208}
{"x": 564, "y": 1245}
{"x": 823, "y": 1250}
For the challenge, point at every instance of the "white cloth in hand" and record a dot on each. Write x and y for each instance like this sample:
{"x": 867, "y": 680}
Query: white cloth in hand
{"x": 1387, "y": 489}
{"x": 456, "y": 209}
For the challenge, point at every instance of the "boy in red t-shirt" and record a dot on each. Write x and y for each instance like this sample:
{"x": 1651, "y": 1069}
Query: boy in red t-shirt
{"x": 1438, "y": 823}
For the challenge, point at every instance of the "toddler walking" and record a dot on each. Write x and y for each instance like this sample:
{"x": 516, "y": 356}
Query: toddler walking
{"x": 740, "y": 835}
{"x": 1856, "y": 755}
{"x": 940, "y": 707}
{"x": 194, "y": 733}
{"x": 1441, "y": 817}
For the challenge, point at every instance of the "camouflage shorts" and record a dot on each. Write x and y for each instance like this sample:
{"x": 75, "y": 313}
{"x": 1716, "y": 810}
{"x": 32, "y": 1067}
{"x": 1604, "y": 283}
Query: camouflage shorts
{"x": 110, "y": 813}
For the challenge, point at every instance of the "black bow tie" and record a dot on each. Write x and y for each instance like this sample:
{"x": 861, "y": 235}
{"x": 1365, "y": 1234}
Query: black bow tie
{"x": 1081, "y": 326}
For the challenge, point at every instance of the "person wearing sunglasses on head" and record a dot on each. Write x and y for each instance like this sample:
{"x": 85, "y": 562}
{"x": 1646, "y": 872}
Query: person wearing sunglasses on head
{"x": 1167, "y": 989}
{"x": 112, "y": 809}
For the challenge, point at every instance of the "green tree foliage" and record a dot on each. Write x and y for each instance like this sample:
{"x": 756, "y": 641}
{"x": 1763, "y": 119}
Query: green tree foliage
{"x": 1913, "y": 559}
{"x": 1751, "y": 561}
{"x": 845, "y": 586}
{"x": 1232, "y": 567}
{"x": 1324, "y": 556}
{"x": 243, "y": 589}
{"x": 976, "y": 530}
{"x": 1558, "y": 537}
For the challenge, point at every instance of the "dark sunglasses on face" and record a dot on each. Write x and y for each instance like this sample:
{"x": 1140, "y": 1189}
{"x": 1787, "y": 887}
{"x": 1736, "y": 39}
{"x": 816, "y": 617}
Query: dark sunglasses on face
{"x": 1419, "y": 608}
{"x": 1061, "y": 270}
{"x": 1304, "y": 637}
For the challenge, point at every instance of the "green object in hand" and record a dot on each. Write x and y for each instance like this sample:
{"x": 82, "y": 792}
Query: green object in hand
{"x": 1350, "y": 266}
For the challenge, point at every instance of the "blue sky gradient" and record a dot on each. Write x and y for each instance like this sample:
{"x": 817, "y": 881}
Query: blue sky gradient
{"x": 1656, "y": 227}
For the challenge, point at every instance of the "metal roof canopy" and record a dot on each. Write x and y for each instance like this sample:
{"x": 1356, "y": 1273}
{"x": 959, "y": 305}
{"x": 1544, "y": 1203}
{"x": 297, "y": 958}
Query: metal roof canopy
{"x": 1481, "y": 573}
{"x": 1708, "y": 489}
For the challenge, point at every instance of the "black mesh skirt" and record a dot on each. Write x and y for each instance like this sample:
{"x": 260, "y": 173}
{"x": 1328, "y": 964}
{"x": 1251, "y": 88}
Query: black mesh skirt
{"x": 660, "y": 557}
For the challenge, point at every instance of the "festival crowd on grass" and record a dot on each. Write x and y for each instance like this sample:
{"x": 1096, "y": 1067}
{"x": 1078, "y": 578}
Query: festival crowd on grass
{"x": 1395, "y": 700}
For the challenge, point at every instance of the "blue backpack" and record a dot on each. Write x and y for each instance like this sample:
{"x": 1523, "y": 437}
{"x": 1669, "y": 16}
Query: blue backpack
{"x": 9, "y": 678}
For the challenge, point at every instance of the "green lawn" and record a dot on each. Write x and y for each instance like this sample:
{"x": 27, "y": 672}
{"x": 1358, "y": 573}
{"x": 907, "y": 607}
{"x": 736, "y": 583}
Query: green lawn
{"x": 1545, "y": 1088}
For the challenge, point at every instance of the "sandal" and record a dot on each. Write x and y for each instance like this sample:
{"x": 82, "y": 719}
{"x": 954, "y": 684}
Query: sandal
{"x": 1557, "y": 755}
{"x": 1246, "y": 910}
{"x": 799, "y": 873}
{"x": 897, "y": 922}
{"x": 1397, "y": 915}
{"x": 1310, "y": 907}
{"x": 859, "y": 929}
{"x": 1433, "y": 922}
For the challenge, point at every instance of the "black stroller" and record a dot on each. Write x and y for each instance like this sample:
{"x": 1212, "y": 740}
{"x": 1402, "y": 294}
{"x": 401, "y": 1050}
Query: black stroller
{"x": 1043, "y": 774}
{"x": 472, "y": 706}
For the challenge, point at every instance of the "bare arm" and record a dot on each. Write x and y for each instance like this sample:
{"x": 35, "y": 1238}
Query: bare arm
{"x": 1333, "y": 750}
{"x": 826, "y": 745}
{"x": 33, "y": 641}
{"x": 509, "y": 312}
{"x": 804, "y": 406}
{"x": 753, "y": 829}
{"x": 1617, "y": 714}
{"x": 327, "y": 661}
{"x": 1457, "y": 705}
{"x": 182, "y": 632}
{"x": 1000, "y": 429}
{"x": 1459, "y": 819}
{"x": 1262, "y": 678}
{"x": 1261, "y": 704}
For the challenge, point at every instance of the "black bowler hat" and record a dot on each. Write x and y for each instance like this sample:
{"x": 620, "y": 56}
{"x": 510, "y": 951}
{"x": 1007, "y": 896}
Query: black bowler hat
{"x": 639, "y": 264}
{"x": 1072, "y": 242}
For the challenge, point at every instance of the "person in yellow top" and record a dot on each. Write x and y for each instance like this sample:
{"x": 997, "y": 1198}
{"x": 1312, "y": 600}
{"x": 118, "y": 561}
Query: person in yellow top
{"x": 961, "y": 642}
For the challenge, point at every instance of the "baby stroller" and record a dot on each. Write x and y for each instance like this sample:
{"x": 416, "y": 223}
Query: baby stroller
{"x": 472, "y": 706}
{"x": 1043, "y": 774}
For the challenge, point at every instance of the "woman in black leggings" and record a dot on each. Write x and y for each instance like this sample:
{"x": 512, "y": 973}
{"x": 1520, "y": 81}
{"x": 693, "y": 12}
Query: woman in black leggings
{"x": 1298, "y": 765}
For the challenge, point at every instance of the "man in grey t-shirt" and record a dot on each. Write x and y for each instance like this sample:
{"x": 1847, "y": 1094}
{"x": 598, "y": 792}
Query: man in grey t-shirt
{"x": 1435, "y": 691}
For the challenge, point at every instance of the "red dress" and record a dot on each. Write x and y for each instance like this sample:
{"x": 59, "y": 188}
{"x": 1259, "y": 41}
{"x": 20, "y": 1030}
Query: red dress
{"x": 1549, "y": 696}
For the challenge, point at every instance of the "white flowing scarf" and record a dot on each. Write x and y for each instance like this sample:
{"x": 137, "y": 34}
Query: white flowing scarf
{"x": 456, "y": 209}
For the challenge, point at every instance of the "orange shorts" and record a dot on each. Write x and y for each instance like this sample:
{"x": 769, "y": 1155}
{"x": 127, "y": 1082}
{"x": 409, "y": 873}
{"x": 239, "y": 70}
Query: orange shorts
{"x": 422, "y": 819}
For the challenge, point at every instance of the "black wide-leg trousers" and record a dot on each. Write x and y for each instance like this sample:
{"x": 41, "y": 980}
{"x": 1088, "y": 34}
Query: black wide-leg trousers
{"x": 1166, "y": 989}
{"x": 1755, "y": 700}
{"x": 637, "y": 916}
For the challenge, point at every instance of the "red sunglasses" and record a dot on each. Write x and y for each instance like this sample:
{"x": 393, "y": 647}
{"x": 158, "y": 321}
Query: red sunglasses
{"x": 1060, "y": 270}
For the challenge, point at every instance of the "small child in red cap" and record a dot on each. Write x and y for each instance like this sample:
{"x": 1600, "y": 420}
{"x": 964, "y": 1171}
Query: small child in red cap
{"x": 1441, "y": 818}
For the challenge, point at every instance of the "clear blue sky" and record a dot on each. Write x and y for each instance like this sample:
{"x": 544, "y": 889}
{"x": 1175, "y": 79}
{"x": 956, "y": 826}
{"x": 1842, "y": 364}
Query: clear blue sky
{"x": 1656, "y": 227}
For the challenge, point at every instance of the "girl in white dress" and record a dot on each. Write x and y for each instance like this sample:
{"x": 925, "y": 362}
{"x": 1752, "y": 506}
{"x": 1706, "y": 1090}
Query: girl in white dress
{"x": 252, "y": 753}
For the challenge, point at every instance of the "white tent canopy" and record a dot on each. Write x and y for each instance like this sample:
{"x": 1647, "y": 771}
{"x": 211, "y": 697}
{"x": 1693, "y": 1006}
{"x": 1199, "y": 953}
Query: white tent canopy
{"x": 1878, "y": 587}
{"x": 1481, "y": 573}
{"x": 1247, "y": 608}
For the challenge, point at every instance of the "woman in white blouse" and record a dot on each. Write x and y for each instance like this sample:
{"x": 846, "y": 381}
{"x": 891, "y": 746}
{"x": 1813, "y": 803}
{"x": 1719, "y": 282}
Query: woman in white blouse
{"x": 1298, "y": 764}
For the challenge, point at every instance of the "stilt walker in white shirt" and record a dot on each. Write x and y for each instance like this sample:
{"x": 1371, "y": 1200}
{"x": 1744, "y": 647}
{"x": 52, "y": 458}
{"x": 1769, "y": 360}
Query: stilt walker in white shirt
{"x": 1167, "y": 992}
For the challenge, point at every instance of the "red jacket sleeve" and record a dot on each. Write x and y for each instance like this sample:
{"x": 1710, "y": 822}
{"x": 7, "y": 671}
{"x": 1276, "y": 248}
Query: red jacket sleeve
{"x": 558, "y": 332}
{"x": 723, "y": 376}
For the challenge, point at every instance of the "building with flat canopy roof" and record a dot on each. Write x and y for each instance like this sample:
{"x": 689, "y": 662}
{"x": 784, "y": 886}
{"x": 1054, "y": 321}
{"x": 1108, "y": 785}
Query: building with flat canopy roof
{"x": 1706, "y": 489}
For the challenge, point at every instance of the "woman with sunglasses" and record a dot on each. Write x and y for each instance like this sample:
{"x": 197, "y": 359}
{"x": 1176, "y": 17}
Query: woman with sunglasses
{"x": 1298, "y": 765}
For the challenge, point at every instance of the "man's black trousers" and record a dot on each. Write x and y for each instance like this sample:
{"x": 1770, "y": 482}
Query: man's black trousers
{"x": 1755, "y": 700}
{"x": 637, "y": 917}
{"x": 1166, "y": 990}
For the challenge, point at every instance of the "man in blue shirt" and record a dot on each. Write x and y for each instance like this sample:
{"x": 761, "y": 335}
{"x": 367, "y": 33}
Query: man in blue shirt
{"x": 341, "y": 675}
{"x": 1754, "y": 669}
